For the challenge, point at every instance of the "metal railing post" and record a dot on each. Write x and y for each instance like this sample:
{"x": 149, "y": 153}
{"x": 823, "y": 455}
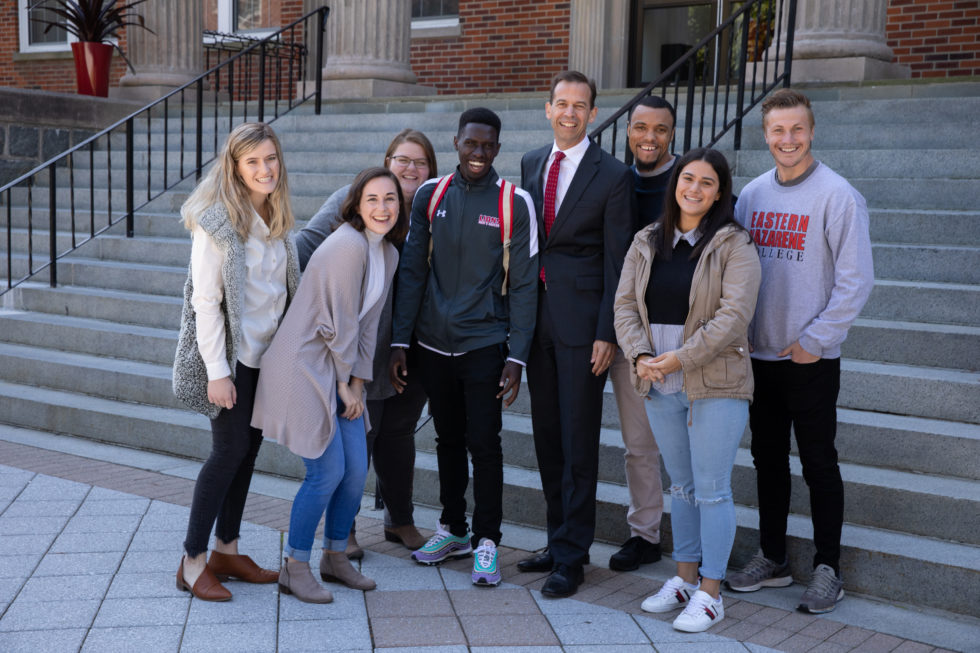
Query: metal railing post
{"x": 199, "y": 118}
{"x": 790, "y": 33}
{"x": 743, "y": 57}
{"x": 262, "y": 82}
{"x": 689, "y": 110}
{"x": 129, "y": 178}
{"x": 321, "y": 28}
{"x": 53, "y": 222}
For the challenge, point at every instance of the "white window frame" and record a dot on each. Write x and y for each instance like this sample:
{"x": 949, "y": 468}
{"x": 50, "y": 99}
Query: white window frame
{"x": 447, "y": 26}
{"x": 24, "y": 24}
{"x": 226, "y": 22}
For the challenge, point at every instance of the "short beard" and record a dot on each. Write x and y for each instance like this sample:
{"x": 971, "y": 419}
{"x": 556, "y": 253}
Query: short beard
{"x": 645, "y": 167}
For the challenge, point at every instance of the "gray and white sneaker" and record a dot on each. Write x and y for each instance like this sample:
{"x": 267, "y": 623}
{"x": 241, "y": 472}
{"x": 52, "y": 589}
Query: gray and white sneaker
{"x": 823, "y": 592}
{"x": 758, "y": 573}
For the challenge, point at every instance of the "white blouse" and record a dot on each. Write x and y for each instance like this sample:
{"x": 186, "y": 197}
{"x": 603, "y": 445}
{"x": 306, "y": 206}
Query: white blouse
{"x": 264, "y": 298}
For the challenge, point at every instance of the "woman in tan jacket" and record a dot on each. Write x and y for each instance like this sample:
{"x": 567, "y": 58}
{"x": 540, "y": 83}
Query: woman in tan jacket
{"x": 311, "y": 397}
{"x": 683, "y": 306}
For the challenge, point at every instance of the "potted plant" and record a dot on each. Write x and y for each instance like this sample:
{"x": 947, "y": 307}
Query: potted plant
{"x": 95, "y": 23}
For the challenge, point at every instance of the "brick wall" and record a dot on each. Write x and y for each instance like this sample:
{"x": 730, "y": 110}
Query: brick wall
{"x": 504, "y": 45}
{"x": 935, "y": 38}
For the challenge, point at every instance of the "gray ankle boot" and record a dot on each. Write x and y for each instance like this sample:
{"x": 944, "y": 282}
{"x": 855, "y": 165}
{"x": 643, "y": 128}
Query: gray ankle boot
{"x": 296, "y": 578}
{"x": 337, "y": 567}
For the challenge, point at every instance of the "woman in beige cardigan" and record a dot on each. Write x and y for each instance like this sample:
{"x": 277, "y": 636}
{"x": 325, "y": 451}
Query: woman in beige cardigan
{"x": 683, "y": 306}
{"x": 311, "y": 393}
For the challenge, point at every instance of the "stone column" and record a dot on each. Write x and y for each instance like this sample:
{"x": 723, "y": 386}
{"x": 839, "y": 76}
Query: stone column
{"x": 843, "y": 41}
{"x": 598, "y": 40}
{"x": 368, "y": 45}
{"x": 170, "y": 57}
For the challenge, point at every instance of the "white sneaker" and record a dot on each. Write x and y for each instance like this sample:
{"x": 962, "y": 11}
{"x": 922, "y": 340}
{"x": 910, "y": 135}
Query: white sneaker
{"x": 673, "y": 595}
{"x": 702, "y": 612}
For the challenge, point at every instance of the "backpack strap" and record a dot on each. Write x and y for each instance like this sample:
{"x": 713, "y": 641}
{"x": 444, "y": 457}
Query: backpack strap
{"x": 440, "y": 191}
{"x": 505, "y": 209}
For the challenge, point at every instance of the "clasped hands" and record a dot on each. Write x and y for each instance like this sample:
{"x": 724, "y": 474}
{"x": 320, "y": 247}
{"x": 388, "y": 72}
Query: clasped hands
{"x": 656, "y": 368}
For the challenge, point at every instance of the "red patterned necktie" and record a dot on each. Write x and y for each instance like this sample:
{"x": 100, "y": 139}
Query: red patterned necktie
{"x": 550, "y": 194}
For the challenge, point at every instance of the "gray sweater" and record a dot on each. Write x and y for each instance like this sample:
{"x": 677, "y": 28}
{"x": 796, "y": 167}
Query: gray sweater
{"x": 817, "y": 273}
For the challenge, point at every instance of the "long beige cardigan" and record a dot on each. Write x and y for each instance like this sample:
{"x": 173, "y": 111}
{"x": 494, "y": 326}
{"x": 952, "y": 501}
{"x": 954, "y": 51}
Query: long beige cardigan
{"x": 321, "y": 341}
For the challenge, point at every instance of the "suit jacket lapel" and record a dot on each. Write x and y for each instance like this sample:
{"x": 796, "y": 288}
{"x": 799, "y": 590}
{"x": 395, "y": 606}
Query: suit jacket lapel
{"x": 536, "y": 190}
{"x": 587, "y": 169}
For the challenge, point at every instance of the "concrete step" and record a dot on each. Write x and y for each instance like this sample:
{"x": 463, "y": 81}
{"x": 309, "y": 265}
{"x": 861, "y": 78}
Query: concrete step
{"x": 906, "y": 193}
{"x": 116, "y": 275}
{"x": 939, "y": 227}
{"x": 146, "y": 223}
{"x": 877, "y": 497}
{"x": 911, "y": 343}
{"x": 927, "y": 164}
{"x": 159, "y": 251}
{"x": 944, "y": 263}
{"x": 925, "y": 302}
{"x": 89, "y": 336}
{"x": 158, "y": 311}
{"x": 873, "y": 135}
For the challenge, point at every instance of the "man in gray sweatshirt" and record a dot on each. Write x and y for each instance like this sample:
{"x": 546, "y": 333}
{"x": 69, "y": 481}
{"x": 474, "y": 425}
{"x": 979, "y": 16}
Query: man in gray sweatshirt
{"x": 811, "y": 229}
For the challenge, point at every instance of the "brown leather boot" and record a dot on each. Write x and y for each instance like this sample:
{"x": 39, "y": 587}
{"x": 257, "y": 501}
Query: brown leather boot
{"x": 296, "y": 578}
{"x": 407, "y": 535}
{"x": 240, "y": 567}
{"x": 337, "y": 567}
{"x": 207, "y": 587}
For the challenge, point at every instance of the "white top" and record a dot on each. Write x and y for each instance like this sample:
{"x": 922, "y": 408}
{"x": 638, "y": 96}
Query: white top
{"x": 376, "y": 272}
{"x": 573, "y": 157}
{"x": 264, "y": 298}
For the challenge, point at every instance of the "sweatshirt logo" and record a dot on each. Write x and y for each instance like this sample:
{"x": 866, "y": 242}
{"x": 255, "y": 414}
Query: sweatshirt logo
{"x": 489, "y": 221}
{"x": 441, "y": 213}
{"x": 779, "y": 235}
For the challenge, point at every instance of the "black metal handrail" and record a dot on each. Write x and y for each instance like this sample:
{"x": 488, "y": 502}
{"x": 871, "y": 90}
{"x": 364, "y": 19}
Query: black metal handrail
{"x": 232, "y": 90}
{"x": 721, "y": 61}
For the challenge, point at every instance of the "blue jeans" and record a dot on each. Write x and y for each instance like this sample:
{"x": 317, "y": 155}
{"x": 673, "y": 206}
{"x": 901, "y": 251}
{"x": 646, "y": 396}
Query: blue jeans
{"x": 698, "y": 442}
{"x": 333, "y": 486}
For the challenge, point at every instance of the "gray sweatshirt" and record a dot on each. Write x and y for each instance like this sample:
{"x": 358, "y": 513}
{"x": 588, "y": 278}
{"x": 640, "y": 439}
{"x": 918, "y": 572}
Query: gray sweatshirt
{"x": 815, "y": 248}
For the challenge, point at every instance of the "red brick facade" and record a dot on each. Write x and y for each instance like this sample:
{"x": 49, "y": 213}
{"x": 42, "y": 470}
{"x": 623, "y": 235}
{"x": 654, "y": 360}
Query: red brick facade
{"x": 935, "y": 38}
{"x": 504, "y": 45}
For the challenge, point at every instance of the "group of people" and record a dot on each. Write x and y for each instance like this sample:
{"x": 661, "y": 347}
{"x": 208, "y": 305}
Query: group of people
{"x": 705, "y": 312}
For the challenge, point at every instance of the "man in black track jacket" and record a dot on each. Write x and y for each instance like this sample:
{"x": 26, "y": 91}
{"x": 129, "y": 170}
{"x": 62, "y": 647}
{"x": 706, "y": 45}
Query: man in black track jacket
{"x": 474, "y": 329}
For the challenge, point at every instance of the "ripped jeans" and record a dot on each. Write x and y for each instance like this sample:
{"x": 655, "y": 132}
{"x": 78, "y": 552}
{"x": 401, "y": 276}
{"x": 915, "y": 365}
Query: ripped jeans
{"x": 698, "y": 443}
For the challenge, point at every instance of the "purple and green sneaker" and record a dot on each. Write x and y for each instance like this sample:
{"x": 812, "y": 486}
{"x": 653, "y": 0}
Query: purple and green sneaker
{"x": 485, "y": 569}
{"x": 442, "y": 546}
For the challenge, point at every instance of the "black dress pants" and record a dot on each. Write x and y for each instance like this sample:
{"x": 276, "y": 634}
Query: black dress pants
{"x": 222, "y": 484}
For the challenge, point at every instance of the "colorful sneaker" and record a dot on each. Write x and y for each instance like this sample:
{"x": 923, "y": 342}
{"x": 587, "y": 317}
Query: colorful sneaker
{"x": 701, "y": 613}
{"x": 823, "y": 592}
{"x": 443, "y": 546}
{"x": 485, "y": 569}
{"x": 675, "y": 594}
{"x": 758, "y": 573}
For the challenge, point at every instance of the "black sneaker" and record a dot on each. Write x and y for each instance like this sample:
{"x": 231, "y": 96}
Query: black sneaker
{"x": 635, "y": 551}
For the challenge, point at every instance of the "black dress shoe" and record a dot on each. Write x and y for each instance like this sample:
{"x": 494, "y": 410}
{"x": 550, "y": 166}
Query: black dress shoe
{"x": 563, "y": 581}
{"x": 635, "y": 551}
{"x": 539, "y": 562}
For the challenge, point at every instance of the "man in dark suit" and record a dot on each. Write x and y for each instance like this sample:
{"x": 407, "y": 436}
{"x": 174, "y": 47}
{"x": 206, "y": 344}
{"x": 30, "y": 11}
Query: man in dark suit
{"x": 586, "y": 218}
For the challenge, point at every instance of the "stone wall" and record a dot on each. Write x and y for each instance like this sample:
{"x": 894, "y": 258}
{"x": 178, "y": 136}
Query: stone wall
{"x": 935, "y": 38}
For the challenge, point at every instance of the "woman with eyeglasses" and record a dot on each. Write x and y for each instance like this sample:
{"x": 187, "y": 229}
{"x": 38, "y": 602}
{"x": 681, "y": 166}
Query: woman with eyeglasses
{"x": 392, "y": 415}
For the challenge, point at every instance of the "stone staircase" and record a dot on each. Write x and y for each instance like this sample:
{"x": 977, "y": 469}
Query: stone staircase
{"x": 91, "y": 358}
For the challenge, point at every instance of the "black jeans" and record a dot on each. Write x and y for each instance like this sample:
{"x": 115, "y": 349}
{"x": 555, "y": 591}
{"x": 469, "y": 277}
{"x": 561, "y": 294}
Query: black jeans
{"x": 222, "y": 485}
{"x": 391, "y": 444}
{"x": 463, "y": 401}
{"x": 803, "y": 396}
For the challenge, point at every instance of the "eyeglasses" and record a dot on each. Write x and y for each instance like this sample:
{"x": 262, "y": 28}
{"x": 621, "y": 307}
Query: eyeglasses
{"x": 403, "y": 161}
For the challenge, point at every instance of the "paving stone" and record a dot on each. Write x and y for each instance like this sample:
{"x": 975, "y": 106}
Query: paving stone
{"x": 662, "y": 632}
{"x": 498, "y": 649}
{"x": 157, "y": 541}
{"x": 347, "y": 604}
{"x": 21, "y": 544}
{"x": 909, "y": 646}
{"x": 740, "y": 630}
{"x": 134, "y": 506}
{"x": 58, "y": 588}
{"x": 50, "y": 488}
{"x": 136, "y": 562}
{"x": 795, "y": 621}
{"x": 105, "y": 494}
{"x": 491, "y": 629}
{"x": 827, "y": 647}
{"x": 42, "y": 641}
{"x": 416, "y": 631}
{"x": 758, "y": 648}
{"x": 454, "y": 649}
{"x": 144, "y": 585}
{"x": 256, "y": 637}
{"x": 25, "y": 615}
{"x": 103, "y": 524}
{"x": 14, "y": 476}
{"x": 597, "y": 628}
{"x": 767, "y": 616}
{"x": 821, "y": 628}
{"x": 90, "y": 542}
{"x": 798, "y": 643}
{"x": 41, "y": 508}
{"x": 18, "y": 566}
{"x": 701, "y": 647}
{"x": 850, "y": 636}
{"x": 770, "y": 636}
{"x": 420, "y": 603}
{"x": 498, "y": 601}
{"x": 67, "y": 564}
{"x": 258, "y": 603}
{"x": 567, "y": 606}
{"x": 145, "y": 639}
{"x": 145, "y": 611}
{"x": 333, "y": 635}
{"x": 416, "y": 577}
{"x": 32, "y": 525}
{"x": 880, "y": 643}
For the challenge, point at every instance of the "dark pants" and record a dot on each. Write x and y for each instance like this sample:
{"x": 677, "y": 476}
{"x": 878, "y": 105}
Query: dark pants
{"x": 566, "y": 414}
{"x": 391, "y": 444}
{"x": 463, "y": 401}
{"x": 804, "y": 397}
{"x": 222, "y": 485}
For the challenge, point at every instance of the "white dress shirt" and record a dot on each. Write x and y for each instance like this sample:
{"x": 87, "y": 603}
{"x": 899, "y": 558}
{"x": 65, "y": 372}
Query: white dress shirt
{"x": 264, "y": 297}
{"x": 573, "y": 157}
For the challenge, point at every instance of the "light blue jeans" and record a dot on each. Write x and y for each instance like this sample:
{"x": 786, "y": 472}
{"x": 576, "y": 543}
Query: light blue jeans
{"x": 333, "y": 486}
{"x": 698, "y": 442}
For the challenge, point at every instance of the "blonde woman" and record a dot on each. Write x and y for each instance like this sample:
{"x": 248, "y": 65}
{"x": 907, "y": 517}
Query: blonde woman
{"x": 243, "y": 273}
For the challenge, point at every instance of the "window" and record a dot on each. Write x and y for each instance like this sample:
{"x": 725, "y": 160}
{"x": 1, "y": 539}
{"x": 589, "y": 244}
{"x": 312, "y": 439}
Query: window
{"x": 255, "y": 17}
{"x": 32, "y": 36}
{"x": 435, "y": 18}
{"x": 434, "y": 9}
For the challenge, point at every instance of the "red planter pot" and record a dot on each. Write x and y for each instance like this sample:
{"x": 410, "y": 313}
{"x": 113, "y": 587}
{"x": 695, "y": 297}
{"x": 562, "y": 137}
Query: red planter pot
{"x": 92, "y": 62}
